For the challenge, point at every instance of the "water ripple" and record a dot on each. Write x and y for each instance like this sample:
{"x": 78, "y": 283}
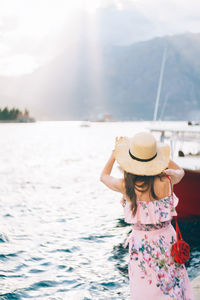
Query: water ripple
{"x": 10, "y": 296}
{"x": 42, "y": 284}
{"x": 7, "y": 256}
{"x": 3, "y": 238}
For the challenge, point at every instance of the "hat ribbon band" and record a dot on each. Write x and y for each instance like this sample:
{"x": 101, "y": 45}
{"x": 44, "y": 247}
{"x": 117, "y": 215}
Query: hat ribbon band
{"x": 140, "y": 159}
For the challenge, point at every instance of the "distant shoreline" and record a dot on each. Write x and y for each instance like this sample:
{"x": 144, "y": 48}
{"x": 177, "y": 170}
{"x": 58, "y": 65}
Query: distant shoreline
{"x": 17, "y": 121}
{"x": 15, "y": 115}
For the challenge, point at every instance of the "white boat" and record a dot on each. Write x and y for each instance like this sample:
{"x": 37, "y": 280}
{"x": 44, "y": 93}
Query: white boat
{"x": 181, "y": 137}
{"x": 185, "y": 140}
{"x": 85, "y": 124}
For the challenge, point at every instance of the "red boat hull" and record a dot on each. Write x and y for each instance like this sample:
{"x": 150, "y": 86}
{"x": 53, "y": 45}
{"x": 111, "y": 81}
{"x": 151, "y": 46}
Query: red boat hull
{"x": 188, "y": 192}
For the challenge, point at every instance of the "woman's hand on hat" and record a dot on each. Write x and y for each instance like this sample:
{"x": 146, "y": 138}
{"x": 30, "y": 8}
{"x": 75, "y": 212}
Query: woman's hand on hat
{"x": 118, "y": 139}
{"x": 177, "y": 174}
{"x": 169, "y": 172}
{"x": 173, "y": 172}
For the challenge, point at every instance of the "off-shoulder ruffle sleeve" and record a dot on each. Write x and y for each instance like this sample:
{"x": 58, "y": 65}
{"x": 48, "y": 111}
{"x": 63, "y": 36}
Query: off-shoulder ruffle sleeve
{"x": 152, "y": 212}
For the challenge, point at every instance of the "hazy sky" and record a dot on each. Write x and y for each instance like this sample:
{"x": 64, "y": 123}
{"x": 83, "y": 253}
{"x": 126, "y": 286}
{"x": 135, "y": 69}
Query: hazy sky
{"x": 32, "y": 31}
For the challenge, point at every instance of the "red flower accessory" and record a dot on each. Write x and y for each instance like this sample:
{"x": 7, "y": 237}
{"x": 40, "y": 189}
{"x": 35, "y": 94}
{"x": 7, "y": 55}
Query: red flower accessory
{"x": 180, "y": 250}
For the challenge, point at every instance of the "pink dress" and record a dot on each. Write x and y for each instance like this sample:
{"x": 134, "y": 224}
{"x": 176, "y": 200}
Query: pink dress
{"x": 153, "y": 274}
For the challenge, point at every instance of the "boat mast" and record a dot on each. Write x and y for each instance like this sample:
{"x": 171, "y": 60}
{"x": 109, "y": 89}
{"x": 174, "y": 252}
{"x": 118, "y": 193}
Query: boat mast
{"x": 160, "y": 83}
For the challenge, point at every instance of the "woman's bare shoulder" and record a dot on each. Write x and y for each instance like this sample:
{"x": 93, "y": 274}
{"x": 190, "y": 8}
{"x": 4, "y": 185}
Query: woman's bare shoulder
{"x": 161, "y": 189}
{"x": 162, "y": 179}
{"x": 161, "y": 186}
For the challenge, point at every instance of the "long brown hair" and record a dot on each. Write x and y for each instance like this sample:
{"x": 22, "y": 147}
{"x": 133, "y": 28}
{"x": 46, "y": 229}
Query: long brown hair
{"x": 140, "y": 183}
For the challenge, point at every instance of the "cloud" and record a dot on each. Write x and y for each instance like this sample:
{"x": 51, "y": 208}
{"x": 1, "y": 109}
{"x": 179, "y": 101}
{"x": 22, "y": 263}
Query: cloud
{"x": 172, "y": 16}
{"x": 14, "y": 65}
{"x": 40, "y": 30}
{"x": 166, "y": 16}
{"x": 29, "y": 34}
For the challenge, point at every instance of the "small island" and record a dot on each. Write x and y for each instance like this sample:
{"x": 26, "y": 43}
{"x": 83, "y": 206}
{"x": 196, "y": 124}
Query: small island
{"x": 15, "y": 115}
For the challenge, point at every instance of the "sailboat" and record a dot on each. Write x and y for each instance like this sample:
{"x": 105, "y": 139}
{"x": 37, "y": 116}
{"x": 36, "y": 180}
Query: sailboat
{"x": 188, "y": 189}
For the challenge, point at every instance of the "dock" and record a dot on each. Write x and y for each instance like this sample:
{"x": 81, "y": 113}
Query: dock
{"x": 196, "y": 287}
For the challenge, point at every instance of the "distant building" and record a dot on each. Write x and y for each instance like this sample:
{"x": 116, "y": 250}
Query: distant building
{"x": 24, "y": 117}
{"x": 104, "y": 118}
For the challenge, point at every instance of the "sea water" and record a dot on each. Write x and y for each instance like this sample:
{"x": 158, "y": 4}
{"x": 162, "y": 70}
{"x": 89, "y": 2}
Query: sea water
{"x": 61, "y": 230}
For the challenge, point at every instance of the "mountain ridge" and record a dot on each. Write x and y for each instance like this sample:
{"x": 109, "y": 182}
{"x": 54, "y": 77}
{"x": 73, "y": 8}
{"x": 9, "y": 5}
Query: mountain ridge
{"x": 119, "y": 80}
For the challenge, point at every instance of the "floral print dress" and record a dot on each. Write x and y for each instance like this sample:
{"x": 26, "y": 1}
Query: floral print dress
{"x": 153, "y": 274}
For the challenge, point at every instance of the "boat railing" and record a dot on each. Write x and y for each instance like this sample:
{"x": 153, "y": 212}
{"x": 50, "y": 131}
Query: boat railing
{"x": 175, "y": 136}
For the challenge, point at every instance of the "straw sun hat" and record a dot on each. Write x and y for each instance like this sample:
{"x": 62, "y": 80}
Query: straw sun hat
{"x": 142, "y": 155}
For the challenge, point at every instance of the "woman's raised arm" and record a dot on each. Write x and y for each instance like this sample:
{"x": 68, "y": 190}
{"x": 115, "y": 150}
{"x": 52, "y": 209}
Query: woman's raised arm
{"x": 115, "y": 184}
{"x": 175, "y": 172}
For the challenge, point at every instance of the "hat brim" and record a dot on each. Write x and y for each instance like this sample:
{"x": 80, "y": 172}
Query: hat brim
{"x": 150, "y": 168}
